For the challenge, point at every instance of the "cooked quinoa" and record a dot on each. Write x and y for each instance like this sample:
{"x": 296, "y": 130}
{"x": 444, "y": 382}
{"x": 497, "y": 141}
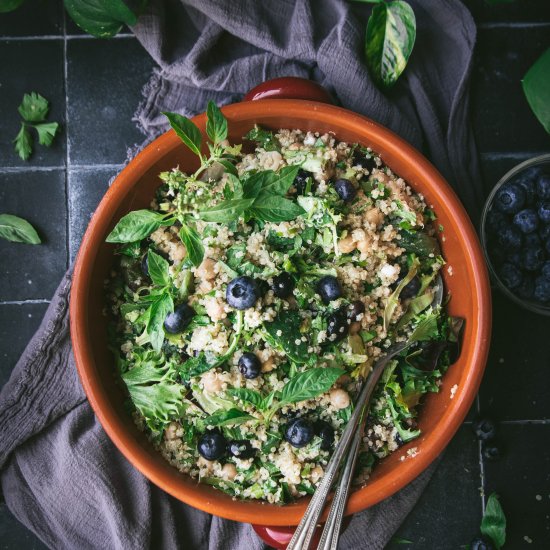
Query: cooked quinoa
{"x": 243, "y": 328}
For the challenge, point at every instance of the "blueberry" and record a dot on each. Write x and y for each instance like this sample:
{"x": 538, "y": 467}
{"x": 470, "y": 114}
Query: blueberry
{"x": 510, "y": 275}
{"x": 345, "y": 189}
{"x": 484, "y": 428}
{"x": 545, "y": 269}
{"x": 532, "y": 258}
{"x": 360, "y": 159}
{"x": 145, "y": 265}
{"x": 242, "y": 292}
{"x": 510, "y": 198}
{"x": 496, "y": 220}
{"x": 299, "y": 432}
{"x": 212, "y": 445}
{"x": 542, "y": 289}
{"x": 283, "y": 285}
{"x": 357, "y": 309}
{"x": 544, "y": 232}
{"x": 241, "y": 448}
{"x": 514, "y": 258}
{"x": 481, "y": 544}
{"x": 527, "y": 182}
{"x": 337, "y": 325}
{"x": 329, "y": 289}
{"x": 527, "y": 287}
{"x": 531, "y": 240}
{"x": 300, "y": 181}
{"x": 543, "y": 186}
{"x": 326, "y": 432}
{"x": 544, "y": 212}
{"x": 498, "y": 253}
{"x": 547, "y": 244}
{"x": 492, "y": 451}
{"x": 526, "y": 220}
{"x": 510, "y": 237}
{"x": 249, "y": 365}
{"x": 176, "y": 322}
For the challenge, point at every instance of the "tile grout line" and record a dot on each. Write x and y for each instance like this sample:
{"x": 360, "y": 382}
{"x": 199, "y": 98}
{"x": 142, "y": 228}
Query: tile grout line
{"x": 60, "y": 37}
{"x": 73, "y": 167}
{"x": 67, "y": 146}
{"x": 23, "y": 302}
{"x": 512, "y": 25}
{"x": 481, "y": 464}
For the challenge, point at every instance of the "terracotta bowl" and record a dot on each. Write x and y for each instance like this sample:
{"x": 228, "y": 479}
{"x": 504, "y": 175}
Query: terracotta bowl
{"x": 466, "y": 280}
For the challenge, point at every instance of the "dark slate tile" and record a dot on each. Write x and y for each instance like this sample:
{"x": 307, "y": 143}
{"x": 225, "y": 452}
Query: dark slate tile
{"x": 18, "y": 323}
{"x": 494, "y": 167}
{"x": 503, "y": 120}
{"x": 522, "y": 480}
{"x": 33, "y": 18}
{"x": 517, "y": 378}
{"x": 448, "y": 513}
{"x": 34, "y": 271}
{"x": 105, "y": 79}
{"x": 86, "y": 189}
{"x": 14, "y": 535}
{"x": 33, "y": 67}
{"x": 531, "y": 11}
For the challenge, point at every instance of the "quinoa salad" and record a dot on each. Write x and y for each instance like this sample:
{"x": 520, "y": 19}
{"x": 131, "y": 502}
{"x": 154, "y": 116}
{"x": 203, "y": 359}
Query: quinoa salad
{"x": 249, "y": 303}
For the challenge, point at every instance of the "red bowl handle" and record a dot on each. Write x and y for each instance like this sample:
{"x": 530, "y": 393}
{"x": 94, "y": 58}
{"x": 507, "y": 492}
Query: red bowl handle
{"x": 289, "y": 87}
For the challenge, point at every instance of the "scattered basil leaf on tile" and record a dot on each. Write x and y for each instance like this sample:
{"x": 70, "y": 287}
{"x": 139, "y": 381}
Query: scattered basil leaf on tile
{"x": 536, "y": 86}
{"x": 17, "y": 230}
{"x": 390, "y": 37}
{"x": 186, "y": 130}
{"x": 216, "y": 123}
{"x": 9, "y": 5}
{"x": 493, "y": 524}
{"x": 193, "y": 244}
{"x": 135, "y": 226}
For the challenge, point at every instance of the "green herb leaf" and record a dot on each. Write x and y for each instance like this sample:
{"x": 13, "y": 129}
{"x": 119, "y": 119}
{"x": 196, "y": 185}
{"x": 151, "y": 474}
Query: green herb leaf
{"x": 284, "y": 333}
{"x": 9, "y": 5}
{"x": 225, "y": 211}
{"x": 186, "y": 130}
{"x": 229, "y": 167}
{"x": 391, "y": 32}
{"x": 135, "y": 226}
{"x": 273, "y": 208}
{"x": 101, "y": 18}
{"x": 419, "y": 243}
{"x": 162, "y": 401}
{"x": 309, "y": 384}
{"x": 393, "y": 299}
{"x": 17, "y": 230}
{"x": 216, "y": 124}
{"x": 426, "y": 329}
{"x": 536, "y": 86}
{"x": 273, "y": 183}
{"x": 193, "y": 244}
{"x": 264, "y": 138}
{"x": 23, "y": 143}
{"x": 493, "y": 524}
{"x": 34, "y": 107}
{"x": 158, "y": 269}
{"x": 159, "y": 309}
{"x": 227, "y": 418}
{"x": 247, "y": 396}
{"x": 46, "y": 132}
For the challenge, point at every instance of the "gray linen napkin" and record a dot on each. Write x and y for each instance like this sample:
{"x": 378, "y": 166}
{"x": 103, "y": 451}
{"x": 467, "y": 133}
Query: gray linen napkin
{"x": 61, "y": 476}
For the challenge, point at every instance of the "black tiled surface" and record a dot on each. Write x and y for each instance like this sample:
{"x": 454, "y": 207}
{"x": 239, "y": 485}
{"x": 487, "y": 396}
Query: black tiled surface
{"x": 503, "y": 120}
{"x": 86, "y": 188}
{"x": 438, "y": 521}
{"x": 105, "y": 79}
{"x": 33, "y": 18}
{"x": 14, "y": 535}
{"x": 522, "y": 479}
{"x": 34, "y": 271}
{"x": 30, "y": 66}
{"x": 26, "y": 318}
{"x": 516, "y": 11}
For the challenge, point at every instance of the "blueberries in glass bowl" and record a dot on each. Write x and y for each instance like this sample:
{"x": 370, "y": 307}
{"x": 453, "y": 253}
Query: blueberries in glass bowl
{"x": 516, "y": 234}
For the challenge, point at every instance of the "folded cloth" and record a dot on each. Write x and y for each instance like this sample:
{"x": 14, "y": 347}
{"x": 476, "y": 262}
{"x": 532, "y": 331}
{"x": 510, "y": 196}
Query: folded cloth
{"x": 61, "y": 476}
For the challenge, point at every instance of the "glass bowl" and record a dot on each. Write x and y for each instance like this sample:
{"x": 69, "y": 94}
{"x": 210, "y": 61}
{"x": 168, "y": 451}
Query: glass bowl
{"x": 538, "y": 162}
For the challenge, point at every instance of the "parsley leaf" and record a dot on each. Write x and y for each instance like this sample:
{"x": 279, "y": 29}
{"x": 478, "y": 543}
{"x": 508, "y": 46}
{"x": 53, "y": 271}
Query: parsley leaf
{"x": 34, "y": 107}
{"x": 23, "y": 143}
{"x": 46, "y": 132}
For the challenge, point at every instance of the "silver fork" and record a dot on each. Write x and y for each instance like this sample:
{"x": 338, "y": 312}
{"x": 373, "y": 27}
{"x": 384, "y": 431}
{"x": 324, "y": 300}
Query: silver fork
{"x": 350, "y": 440}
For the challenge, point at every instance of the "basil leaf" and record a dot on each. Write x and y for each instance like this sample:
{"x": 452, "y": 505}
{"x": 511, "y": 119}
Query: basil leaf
{"x": 10, "y": 5}
{"x": 285, "y": 334}
{"x": 227, "y": 418}
{"x": 247, "y": 396}
{"x": 265, "y": 139}
{"x": 216, "y": 124}
{"x": 279, "y": 183}
{"x": 426, "y": 329}
{"x": 391, "y": 32}
{"x": 273, "y": 440}
{"x": 158, "y": 311}
{"x": 17, "y": 230}
{"x": 193, "y": 244}
{"x": 493, "y": 524}
{"x": 536, "y": 86}
{"x": 46, "y": 132}
{"x": 101, "y": 18}
{"x": 132, "y": 250}
{"x": 272, "y": 208}
{"x": 225, "y": 211}
{"x": 186, "y": 130}
{"x": 135, "y": 226}
{"x": 23, "y": 143}
{"x": 252, "y": 186}
{"x": 34, "y": 107}
{"x": 229, "y": 167}
{"x": 419, "y": 243}
{"x": 309, "y": 384}
{"x": 158, "y": 269}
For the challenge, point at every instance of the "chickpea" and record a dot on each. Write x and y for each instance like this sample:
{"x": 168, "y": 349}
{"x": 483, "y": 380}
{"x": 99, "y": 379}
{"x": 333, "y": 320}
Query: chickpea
{"x": 268, "y": 365}
{"x": 346, "y": 245}
{"x": 229, "y": 471}
{"x": 317, "y": 473}
{"x": 211, "y": 382}
{"x": 364, "y": 246}
{"x": 374, "y": 216}
{"x": 339, "y": 398}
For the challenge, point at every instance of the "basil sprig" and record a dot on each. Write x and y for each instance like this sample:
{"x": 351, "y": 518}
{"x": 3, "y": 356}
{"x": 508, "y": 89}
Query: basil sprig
{"x": 17, "y": 230}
